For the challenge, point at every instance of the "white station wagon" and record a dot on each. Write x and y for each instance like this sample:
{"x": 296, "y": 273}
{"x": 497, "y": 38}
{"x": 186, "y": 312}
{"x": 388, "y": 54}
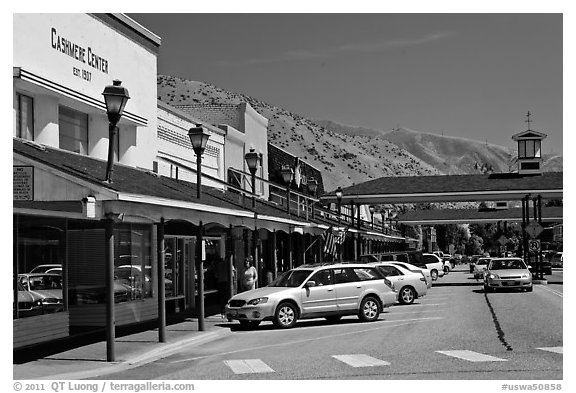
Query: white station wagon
{"x": 315, "y": 291}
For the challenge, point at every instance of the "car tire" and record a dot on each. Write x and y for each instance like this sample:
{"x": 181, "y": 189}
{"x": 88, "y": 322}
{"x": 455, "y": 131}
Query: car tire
{"x": 487, "y": 289}
{"x": 333, "y": 318}
{"x": 369, "y": 309}
{"x": 249, "y": 324}
{"x": 407, "y": 295}
{"x": 434, "y": 275}
{"x": 446, "y": 269}
{"x": 285, "y": 316}
{"x": 530, "y": 289}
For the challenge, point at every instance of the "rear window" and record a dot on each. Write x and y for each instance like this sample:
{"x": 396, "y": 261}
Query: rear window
{"x": 365, "y": 273}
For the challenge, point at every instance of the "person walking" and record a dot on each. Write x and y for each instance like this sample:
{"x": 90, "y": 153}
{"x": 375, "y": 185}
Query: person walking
{"x": 250, "y": 275}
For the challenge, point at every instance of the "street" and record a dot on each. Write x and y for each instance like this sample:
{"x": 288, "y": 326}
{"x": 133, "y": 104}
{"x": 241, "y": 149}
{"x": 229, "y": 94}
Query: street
{"x": 456, "y": 332}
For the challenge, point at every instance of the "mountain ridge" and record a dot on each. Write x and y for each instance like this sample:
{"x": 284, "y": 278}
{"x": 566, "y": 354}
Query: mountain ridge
{"x": 343, "y": 154}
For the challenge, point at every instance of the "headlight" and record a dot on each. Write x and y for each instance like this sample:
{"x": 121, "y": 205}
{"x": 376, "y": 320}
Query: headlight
{"x": 525, "y": 275}
{"x": 493, "y": 276}
{"x": 259, "y": 300}
{"x": 38, "y": 303}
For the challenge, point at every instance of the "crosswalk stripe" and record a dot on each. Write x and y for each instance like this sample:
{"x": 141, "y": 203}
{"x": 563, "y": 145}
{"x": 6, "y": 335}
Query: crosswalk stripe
{"x": 553, "y": 349}
{"x": 472, "y": 356}
{"x": 248, "y": 366}
{"x": 360, "y": 360}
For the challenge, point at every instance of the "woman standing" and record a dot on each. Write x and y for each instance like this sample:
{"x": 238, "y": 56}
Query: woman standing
{"x": 250, "y": 275}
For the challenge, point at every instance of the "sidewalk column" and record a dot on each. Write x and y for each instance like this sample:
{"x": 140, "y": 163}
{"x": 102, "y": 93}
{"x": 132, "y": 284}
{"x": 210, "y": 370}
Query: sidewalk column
{"x": 230, "y": 252}
{"x": 200, "y": 264}
{"x": 161, "y": 286}
{"x": 109, "y": 286}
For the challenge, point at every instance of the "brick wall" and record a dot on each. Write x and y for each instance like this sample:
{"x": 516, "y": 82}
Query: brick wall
{"x": 278, "y": 157}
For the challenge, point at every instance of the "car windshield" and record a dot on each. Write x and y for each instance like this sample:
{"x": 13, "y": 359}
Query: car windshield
{"x": 507, "y": 264}
{"x": 482, "y": 262}
{"x": 291, "y": 278}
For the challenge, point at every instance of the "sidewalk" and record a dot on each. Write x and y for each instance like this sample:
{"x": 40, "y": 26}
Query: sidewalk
{"x": 89, "y": 361}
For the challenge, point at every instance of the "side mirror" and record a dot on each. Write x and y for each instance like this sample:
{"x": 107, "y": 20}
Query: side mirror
{"x": 310, "y": 284}
{"x": 529, "y": 267}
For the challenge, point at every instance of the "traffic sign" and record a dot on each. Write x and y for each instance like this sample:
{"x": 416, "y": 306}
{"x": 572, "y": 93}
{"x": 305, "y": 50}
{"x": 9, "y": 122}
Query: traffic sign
{"x": 534, "y": 229}
{"x": 534, "y": 245}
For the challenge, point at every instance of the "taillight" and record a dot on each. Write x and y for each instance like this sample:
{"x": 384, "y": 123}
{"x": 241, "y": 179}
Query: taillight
{"x": 389, "y": 283}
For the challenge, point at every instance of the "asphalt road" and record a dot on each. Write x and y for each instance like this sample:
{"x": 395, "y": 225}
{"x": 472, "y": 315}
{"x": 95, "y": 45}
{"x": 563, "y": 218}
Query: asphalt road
{"x": 456, "y": 332}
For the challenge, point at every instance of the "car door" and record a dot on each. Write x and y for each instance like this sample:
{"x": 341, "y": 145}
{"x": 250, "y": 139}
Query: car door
{"x": 348, "y": 289}
{"x": 321, "y": 298}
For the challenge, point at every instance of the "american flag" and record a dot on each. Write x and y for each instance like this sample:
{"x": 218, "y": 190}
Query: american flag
{"x": 332, "y": 238}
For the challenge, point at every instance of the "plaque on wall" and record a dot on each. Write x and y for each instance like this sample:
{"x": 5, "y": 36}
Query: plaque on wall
{"x": 23, "y": 183}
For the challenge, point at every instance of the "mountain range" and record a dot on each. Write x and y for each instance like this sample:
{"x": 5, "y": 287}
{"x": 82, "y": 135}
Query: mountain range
{"x": 348, "y": 155}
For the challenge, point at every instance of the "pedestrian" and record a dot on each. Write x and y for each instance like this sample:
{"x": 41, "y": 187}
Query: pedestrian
{"x": 250, "y": 275}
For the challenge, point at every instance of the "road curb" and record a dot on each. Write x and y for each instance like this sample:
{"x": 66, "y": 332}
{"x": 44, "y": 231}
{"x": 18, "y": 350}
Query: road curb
{"x": 143, "y": 358}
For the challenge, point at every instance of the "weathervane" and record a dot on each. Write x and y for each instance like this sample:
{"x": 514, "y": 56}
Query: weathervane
{"x": 528, "y": 119}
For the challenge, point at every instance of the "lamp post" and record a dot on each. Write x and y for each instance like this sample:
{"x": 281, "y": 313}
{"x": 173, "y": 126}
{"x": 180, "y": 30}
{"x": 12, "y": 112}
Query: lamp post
{"x": 115, "y": 97}
{"x": 252, "y": 159}
{"x": 199, "y": 139}
{"x": 313, "y": 187}
{"x": 372, "y": 215}
{"x": 287, "y": 175}
{"x": 339, "y": 195}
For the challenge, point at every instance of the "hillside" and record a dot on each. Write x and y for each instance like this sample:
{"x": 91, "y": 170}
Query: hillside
{"x": 346, "y": 154}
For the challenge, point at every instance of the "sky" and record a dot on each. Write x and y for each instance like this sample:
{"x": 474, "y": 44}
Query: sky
{"x": 471, "y": 75}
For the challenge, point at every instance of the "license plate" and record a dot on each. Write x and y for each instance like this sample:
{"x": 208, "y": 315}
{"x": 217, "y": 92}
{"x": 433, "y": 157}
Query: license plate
{"x": 509, "y": 283}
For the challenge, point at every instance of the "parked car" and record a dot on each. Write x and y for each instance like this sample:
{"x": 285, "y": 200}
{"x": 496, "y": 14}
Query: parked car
{"x": 315, "y": 291}
{"x": 507, "y": 273}
{"x": 434, "y": 264}
{"x": 480, "y": 267}
{"x": 472, "y": 262}
{"x": 50, "y": 268}
{"x": 409, "y": 285}
{"x": 29, "y": 303}
{"x": 140, "y": 283}
{"x": 46, "y": 285}
{"x": 415, "y": 258}
{"x": 556, "y": 259}
{"x": 415, "y": 269}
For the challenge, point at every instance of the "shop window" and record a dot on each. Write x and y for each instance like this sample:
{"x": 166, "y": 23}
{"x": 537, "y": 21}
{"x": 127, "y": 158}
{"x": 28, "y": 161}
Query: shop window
{"x": 133, "y": 261}
{"x": 25, "y": 117}
{"x": 73, "y": 130}
{"x": 39, "y": 249}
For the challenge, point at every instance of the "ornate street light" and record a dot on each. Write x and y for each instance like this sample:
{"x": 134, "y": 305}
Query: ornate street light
{"x": 372, "y": 214}
{"x": 115, "y": 97}
{"x": 287, "y": 175}
{"x": 339, "y": 195}
{"x": 199, "y": 139}
{"x": 313, "y": 187}
{"x": 252, "y": 158}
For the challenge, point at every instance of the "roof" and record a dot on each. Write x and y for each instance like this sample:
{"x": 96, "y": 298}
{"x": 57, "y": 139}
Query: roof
{"x": 478, "y": 187}
{"x": 455, "y": 216}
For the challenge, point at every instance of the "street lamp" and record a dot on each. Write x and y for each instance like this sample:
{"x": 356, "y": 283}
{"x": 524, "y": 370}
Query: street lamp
{"x": 252, "y": 159}
{"x": 313, "y": 187}
{"x": 287, "y": 175}
{"x": 372, "y": 214}
{"x": 339, "y": 195}
{"x": 115, "y": 97}
{"x": 199, "y": 139}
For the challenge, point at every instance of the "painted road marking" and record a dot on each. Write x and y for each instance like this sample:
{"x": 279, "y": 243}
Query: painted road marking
{"x": 553, "y": 349}
{"x": 555, "y": 292}
{"x": 248, "y": 366}
{"x": 360, "y": 360}
{"x": 472, "y": 356}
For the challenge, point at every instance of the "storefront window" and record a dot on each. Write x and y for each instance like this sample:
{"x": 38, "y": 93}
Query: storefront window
{"x": 132, "y": 261}
{"x": 73, "y": 130}
{"x": 39, "y": 249}
{"x": 25, "y": 117}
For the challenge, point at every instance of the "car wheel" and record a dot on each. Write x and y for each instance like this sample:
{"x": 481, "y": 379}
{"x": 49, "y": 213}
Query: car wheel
{"x": 369, "y": 309}
{"x": 333, "y": 318}
{"x": 434, "y": 274}
{"x": 407, "y": 295}
{"x": 249, "y": 324}
{"x": 530, "y": 289}
{"x": 487, "y": 288}
{"x": 285, "y": 316}
{"x": 446, "y": 269}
